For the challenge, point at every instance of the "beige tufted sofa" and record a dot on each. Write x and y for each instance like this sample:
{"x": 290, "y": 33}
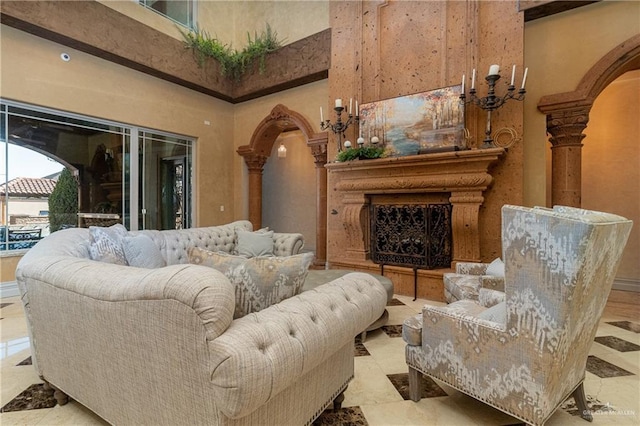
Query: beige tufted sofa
{"x": 160, "y": 346}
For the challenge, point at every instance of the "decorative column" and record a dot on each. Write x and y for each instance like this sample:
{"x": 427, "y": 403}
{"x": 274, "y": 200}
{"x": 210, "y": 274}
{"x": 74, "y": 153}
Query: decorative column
{"x": 319, "y": 151}
{"x": 566, "y": 129}
{"x": 255, "y": 164}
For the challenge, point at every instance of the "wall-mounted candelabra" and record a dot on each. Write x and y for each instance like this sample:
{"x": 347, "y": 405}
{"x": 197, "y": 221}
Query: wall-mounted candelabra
{"x": 340, "y": 127}
{"x": 492, "y": 102}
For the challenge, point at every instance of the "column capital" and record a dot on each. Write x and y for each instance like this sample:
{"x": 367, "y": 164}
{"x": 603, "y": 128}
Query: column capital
{"x": 318, "y": 145}
{"x": 255, "y": 162}
{"x": 566, "y": 126}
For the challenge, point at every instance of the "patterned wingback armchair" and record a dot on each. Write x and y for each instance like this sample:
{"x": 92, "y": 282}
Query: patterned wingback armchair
{"x": 526, "y": 355}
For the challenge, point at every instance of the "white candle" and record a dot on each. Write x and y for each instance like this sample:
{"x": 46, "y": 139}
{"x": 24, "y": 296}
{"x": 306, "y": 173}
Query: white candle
{"x": 321, "y": 116}
{"x": 338, "y": 103}
{"x": 462, "y": 90}
{"x": 513, "y": 75}
{"x": 494, "y": 69}
{"x": 473, "y": 79}
{"x": 350, "y": 105}
{"x": 357, "y": 110}
{"x": 524, "y": 78}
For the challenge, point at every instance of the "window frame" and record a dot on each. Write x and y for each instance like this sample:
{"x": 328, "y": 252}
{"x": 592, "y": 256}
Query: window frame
{"x": 192, "y": 12}
{"x": 134, "y": 134}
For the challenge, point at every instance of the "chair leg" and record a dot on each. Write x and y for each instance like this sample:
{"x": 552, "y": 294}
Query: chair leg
{"x": 60, "y": 396}
{"x": 337, "y": 402}
{"x": 415, "y": 378}
{"x": 581, "y": 403}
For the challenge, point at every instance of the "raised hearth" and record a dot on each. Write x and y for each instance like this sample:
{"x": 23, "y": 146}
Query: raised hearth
{"x": 458, "y": 178}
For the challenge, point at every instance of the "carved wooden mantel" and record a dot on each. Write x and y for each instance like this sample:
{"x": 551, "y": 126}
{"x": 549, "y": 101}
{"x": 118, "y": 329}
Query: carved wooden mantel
{"x": 463, "y": 176}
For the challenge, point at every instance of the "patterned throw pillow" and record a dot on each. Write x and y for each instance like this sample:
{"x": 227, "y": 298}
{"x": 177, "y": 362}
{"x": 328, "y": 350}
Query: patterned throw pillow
{"x": 259, "y": 281}
{"x": 107, "y": 244}
{"x": 141, "y": 252}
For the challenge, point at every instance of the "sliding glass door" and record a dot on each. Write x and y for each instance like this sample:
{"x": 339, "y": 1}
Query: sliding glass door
{"x": 126, "y": 174}
{"x": 165, "y": 183}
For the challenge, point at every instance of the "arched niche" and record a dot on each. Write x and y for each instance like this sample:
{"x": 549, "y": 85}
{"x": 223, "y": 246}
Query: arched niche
{"x": 568, "y": 114}
{"x": 256, "y": 153}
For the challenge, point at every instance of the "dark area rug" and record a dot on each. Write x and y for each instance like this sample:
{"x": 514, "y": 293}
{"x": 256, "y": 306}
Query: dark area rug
{"x": 360, "y": 349}
{"x": 594, "y": 405}
{"x": 34, "y": 397}
{"x": 428, "y": 388}
{"x": 348, "y": 416}
{"x": 604, "y": 369}
{"x": 27, "y": 361}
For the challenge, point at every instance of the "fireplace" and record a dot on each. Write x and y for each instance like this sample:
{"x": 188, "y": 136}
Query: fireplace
{"x": 359, "y": 190}
{"x": 411, "y": 235}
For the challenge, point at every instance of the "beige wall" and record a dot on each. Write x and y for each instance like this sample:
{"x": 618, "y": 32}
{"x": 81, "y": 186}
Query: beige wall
{"x": 33, "y": 72}
{"x": 229, "y": 21}
{"x": 8, "y": 267}
{"x": 289, "y": 191}
{"x": 559, "y": 50}
{"x": 611, "y": 163}
{"x": 291, "y": 20}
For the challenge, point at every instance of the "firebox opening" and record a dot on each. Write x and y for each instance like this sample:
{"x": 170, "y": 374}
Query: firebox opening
{"x": 411, "y": 235}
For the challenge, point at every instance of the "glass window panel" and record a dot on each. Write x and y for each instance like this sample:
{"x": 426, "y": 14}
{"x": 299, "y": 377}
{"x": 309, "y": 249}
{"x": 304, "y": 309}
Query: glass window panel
{"x": 180, "y": 11}
{"x": 98, "y": 155}
{"x": 165, "y": 185}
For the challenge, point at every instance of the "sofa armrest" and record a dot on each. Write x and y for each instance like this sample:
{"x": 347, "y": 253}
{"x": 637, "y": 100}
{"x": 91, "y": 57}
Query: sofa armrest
{"x": 208, "y": 292}
{"x": 287, "y": 244}
{"x": 275, "y": 347}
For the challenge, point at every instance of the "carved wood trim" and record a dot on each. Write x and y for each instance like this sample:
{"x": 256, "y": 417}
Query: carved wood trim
{"x": 464, "y": 175}
{"x": 258, "y": 151}
{"x": 624, "y": 57}
{"x": 568, "y": 115}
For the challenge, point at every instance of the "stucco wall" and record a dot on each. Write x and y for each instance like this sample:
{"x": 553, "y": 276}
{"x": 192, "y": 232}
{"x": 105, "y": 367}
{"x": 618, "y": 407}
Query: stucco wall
{"x": 289, "y": 191}
{"x": 559, "y": 50}
{"x": 229, "y": 21}
{"x": 611, "y": 163}
{"x": 33, "y": 72}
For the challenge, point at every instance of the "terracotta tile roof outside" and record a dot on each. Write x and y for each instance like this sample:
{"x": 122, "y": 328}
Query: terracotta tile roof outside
{"x": 28, "y": 187}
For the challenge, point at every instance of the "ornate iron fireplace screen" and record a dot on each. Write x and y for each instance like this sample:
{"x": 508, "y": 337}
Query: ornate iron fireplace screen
{"x": 413, "y": 235}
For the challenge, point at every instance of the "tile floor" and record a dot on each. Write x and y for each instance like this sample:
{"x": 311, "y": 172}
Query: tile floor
{"x": 378, "y": 395}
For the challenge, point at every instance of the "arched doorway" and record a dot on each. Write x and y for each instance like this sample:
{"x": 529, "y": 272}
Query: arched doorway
{"x": 282, "y": 119}
{"x": 568, "y": 114}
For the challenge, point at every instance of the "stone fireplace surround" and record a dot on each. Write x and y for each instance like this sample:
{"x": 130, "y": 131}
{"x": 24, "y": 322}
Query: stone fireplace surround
{"x": 459, "y": 177}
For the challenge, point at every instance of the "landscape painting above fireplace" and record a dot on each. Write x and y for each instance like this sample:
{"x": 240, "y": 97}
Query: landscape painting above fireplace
{"x": 425, "y": 122}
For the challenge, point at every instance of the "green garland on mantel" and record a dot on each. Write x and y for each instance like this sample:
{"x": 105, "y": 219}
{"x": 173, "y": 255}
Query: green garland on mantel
{"x": 233, "y": 63}
{"x": 361, "y": 153}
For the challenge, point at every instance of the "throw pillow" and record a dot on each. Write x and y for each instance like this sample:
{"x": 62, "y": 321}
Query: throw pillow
{"x": 496, "y": 268}
{"x": 253, "y": 244}
{"x": 107, "y": 244}
{"x": 259, "y": 281}
{"x": 140, "y": 251}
